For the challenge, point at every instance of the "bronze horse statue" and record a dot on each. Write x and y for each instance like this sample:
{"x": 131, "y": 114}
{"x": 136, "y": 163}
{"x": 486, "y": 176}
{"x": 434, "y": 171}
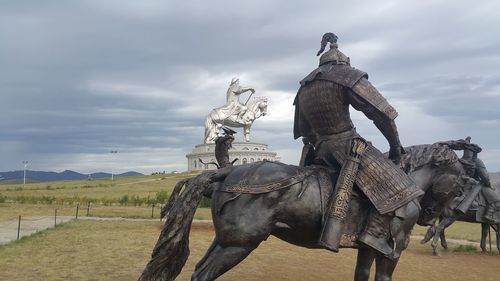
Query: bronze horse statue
{"x": 253, "y": 201}
{"x": 485, "y": 209}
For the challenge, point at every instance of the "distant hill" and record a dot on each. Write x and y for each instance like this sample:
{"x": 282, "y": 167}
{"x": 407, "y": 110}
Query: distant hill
{"x": 32, "y": 176}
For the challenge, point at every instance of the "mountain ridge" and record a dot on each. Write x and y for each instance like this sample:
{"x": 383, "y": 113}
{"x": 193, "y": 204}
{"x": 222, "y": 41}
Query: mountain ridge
{"x": 31, "y": 176}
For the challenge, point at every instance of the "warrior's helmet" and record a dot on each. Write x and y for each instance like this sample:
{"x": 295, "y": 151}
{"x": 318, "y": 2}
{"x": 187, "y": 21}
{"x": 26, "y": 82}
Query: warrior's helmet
{"x": 334, "y": 54}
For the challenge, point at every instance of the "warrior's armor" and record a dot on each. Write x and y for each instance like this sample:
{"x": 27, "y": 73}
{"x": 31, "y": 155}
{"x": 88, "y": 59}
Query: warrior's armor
{"x": 322, "y": 116}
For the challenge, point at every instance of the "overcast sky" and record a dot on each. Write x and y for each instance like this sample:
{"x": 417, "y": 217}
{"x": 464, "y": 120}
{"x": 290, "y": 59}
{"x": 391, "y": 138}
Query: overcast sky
{"x": 81, "y": 78}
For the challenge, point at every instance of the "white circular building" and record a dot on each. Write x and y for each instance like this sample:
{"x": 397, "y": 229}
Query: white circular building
{"x": 245, "y": 152}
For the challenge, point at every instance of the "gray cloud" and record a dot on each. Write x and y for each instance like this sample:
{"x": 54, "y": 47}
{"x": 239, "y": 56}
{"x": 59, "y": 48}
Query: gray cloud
{"x": 80, "y": 78}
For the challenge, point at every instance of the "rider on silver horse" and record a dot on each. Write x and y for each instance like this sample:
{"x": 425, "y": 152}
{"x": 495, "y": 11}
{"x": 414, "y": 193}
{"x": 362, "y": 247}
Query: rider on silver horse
{"x": 322, "y": 116}
{"x": 233, "y": 105}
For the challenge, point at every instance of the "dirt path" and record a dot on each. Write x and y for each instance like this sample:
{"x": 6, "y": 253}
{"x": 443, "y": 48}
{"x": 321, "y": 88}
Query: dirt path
{"x": 29, "y": 225}
{"x": 135, "y": 182}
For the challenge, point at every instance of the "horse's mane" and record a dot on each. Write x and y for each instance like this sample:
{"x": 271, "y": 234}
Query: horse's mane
{"x": 427, "y": 154}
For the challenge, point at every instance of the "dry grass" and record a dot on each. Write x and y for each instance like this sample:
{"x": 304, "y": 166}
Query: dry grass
{"x": 10, "y": 211}
{"x": 89, "y": 250}
{"x": 141, "y": 186}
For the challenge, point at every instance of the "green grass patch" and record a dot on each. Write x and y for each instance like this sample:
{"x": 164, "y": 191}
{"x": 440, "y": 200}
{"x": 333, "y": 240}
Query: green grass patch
{"x": 466, "y": 249}
{"x": 458, "y": 230}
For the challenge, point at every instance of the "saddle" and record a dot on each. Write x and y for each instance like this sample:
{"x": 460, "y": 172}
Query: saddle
{"x": 264, "y": 176}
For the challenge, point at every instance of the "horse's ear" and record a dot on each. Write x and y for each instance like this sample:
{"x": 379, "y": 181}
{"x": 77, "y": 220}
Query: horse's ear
{"x": 234, "y": 80}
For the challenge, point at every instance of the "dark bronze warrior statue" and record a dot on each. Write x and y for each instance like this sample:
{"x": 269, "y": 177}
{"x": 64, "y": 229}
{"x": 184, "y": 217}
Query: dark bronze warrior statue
{"x": 322, "y": 117}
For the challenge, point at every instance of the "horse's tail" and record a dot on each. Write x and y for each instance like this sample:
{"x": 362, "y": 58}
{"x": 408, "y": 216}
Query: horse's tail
{"x": 172, "y": 249}
{"x": 175, "y": 193}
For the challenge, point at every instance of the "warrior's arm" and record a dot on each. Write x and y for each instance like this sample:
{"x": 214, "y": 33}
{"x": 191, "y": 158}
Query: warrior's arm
{"x": 305, "y": 130}
{"x": 461, "y": 145}
{"x": 365, "y": 98}
{"x": 246, "y": 89}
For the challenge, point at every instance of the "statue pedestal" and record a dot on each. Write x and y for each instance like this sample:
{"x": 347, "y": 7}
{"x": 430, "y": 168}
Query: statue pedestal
{"x": 246, "y": 152}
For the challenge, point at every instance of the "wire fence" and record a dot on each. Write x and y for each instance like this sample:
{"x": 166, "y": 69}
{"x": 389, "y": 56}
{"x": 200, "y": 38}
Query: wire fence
{"x": 14, "y": 228}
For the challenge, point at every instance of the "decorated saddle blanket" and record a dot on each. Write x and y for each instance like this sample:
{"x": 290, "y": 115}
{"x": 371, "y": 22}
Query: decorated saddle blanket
{"x": 264, "y": 176}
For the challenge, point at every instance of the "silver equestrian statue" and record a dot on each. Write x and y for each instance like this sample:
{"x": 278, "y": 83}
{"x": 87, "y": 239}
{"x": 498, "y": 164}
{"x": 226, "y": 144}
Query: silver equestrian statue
{"x": 234, "y": 113}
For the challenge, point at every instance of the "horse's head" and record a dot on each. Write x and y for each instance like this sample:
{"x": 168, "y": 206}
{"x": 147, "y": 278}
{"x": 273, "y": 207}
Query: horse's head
{"x": 261, "y": 106}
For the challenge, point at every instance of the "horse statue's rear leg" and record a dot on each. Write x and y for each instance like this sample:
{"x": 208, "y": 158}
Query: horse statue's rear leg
{"x": 484, "y": 233}
{"x": 385, "y": 268}
{"x": 364, "y": 262}
{"x": 497, "y": 230}
{"x": 218, "y": 260}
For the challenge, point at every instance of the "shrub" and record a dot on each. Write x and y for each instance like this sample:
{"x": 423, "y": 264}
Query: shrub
{"x": 466, "y": 249}
{"x": 124, "y": 200}
{"x": 162, "y": 197}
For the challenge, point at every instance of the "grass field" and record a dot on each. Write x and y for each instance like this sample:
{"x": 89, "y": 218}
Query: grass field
{"x": 99, "y": 191}
{"x": 129, "y": 197}
{"x": 117, "y": 250}
{"x": 92, "y": 250}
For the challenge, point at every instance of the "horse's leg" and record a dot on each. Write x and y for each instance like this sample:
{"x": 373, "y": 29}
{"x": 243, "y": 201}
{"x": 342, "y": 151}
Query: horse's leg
{"x": 484, "y": 233}
{"x": 498, "y": 237}
{"x": 385, "y": 268}
{"x": 442, "y": 237}
{"x": 246, "y": 132}
{"x": 444, "y": 244}
{"x": 364, "y": 264}
{"x": 218, "y": 260}
{"x": 447, "y": 221}
{"x": 429, "y": 234}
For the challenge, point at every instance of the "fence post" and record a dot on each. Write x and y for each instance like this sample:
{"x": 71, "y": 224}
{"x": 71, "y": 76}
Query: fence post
{"x": 152, "y": 210}
{"x": 18, "y": 227}
{"x": 161, "y": 207}
{"x": 77, "y": 207}
{"x": 55, "y": 217}
{"x": 88, "y": 208}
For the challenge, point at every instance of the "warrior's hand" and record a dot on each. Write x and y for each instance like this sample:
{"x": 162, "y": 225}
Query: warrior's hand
{"x": 395, "y": 154}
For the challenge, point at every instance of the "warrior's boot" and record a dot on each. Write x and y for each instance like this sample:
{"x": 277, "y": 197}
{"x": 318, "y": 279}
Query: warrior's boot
{"x": 377, "y": 233}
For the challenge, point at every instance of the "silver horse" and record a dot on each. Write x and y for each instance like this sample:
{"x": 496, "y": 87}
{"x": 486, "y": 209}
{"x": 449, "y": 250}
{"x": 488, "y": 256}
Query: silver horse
{"x": 235, "y": 113}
